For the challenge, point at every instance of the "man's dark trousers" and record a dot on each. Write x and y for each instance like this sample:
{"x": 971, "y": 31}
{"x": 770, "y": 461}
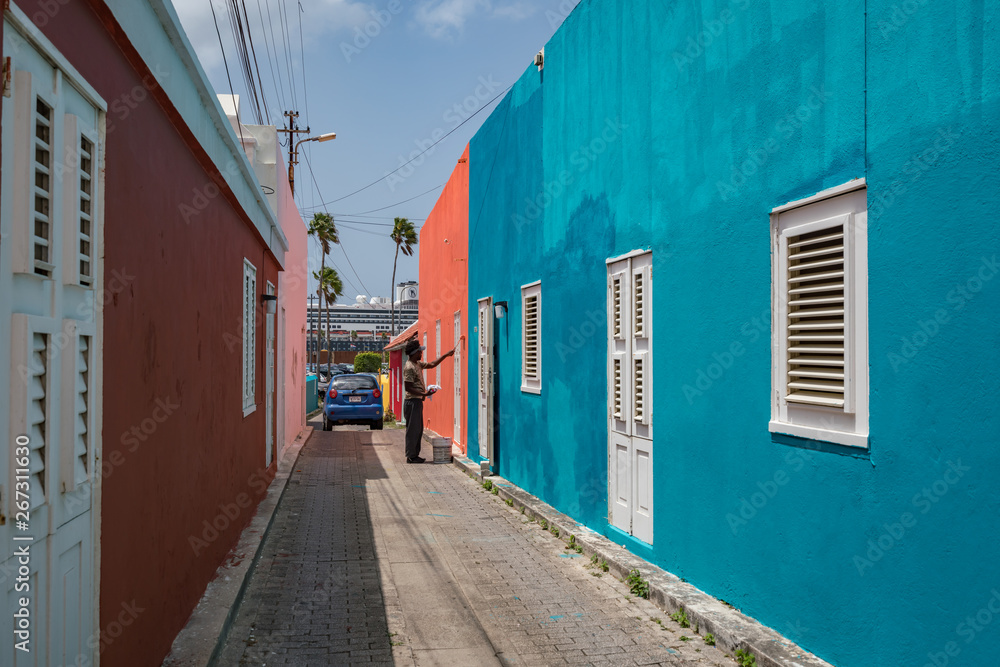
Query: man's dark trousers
{"x": 413, "y": 413}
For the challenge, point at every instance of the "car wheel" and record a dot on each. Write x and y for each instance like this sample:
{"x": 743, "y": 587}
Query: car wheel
{"x": 377, "y": 425}
{"x": 327, "y": 424}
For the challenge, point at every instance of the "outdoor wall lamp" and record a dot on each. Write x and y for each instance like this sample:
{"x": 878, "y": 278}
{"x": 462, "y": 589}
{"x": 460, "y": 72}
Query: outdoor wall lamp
{"x": 500, "y": 309}
{"x": 293, "y": 154}
{"x": 270, "y": 302}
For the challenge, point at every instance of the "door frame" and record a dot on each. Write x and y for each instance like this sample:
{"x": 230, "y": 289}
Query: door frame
{"x": 457, "y": 417}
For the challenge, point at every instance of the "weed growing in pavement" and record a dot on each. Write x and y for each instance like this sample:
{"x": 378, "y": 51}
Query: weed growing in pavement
{"x": 544, "y": 524}
{"x": 604, "y": 565}
{"x": 531, "y": 520}
{"x": 593, "y": 560}
{"x": 710, "y": 639}
{"x": 487, "y": 485}
{"x": 574, "y": 545}
{"x": 681, "y": 617}
{"x": 685, "y": 638}
{"x": 522, "y": 509}
{"x": 510, "y": 503}
{"x": 637, "y": 585}
{"x": 596, "y": 574}
{"x": 554, "y": 531}
{"x": 745, "y": 658}
{"x": 495, "y": 491}
{"x": 658, "y": 621}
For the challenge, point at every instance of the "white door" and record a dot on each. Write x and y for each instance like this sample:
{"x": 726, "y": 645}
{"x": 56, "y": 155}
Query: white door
{"x": 457, "y": 419}
{"x": 269, "y": 383}
{"x": 437, "y": 351}
{"x": 51, "y": 348}
{"x": 486, "y": 378}
{"x": 630, "y": 394}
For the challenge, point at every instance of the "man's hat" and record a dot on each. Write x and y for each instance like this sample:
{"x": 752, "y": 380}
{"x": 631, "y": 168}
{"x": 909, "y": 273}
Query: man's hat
{"x": 413, "y": 347}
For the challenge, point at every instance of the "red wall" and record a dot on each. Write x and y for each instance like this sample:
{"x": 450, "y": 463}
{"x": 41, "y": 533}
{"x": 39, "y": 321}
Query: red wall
{"x": 444, "y": 287}
{"x": 177, "y": 450}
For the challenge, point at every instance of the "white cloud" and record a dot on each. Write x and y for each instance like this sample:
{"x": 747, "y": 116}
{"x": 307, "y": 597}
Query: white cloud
{"x": 320, "y": 19}
{"x": 444, "y": 18}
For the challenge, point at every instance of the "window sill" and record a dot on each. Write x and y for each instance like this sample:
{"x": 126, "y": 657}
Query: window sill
{"x": 857, "y": 440}
{"x": 530, "y": 390}
{"x": 248, "y": 411}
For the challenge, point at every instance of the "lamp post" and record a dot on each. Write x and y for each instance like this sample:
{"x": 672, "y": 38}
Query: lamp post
{"x": 294, "y": 158}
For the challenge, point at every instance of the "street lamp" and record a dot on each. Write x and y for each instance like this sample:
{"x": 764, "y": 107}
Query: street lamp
{"x": 295, "y": 155}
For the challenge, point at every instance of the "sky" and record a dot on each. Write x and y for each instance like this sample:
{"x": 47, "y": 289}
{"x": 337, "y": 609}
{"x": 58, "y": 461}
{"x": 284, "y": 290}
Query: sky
{"x": 387, "y": 76}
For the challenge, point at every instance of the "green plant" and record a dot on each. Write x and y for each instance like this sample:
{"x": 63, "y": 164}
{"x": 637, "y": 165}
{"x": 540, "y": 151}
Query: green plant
{"x": 554, "y": 531}
{"x": 685, "y": 638}
{"x": 637, "y": 585}
{"x": 594, "y": 559}
{"x": 544, "y": 524}
{"x": 604, "y": 565}
{"x": 596, "y": 574}
{"x": 487, "y": 485}
{"x": 681, "y": 617}
{"x": 522, "y": 509}
{"x": 745, "y": 658}
{"x": 658, "y": 621}
{"x": 495, "y": 491}
{"x": 710, "y": 639}
{"x": 389, "y": 417}
{"x": 367, "y": 362}
{"x": 510, "y": 502}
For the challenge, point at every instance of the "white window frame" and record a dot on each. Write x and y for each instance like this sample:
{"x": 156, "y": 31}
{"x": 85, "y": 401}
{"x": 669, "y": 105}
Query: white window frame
{"x": 531, "y": 384}
{"x": 845, "y": 204}
{"x": 249, "y": 336}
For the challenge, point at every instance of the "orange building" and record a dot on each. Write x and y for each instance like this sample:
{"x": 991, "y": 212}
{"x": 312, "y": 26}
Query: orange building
{"x": 443, "y": 319}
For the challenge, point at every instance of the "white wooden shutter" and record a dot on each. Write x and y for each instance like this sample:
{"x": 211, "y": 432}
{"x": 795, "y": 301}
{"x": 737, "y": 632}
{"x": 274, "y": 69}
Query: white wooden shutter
{"x": 618, "y": 400}
{"x": 249, "y": 333}
{"x": 34, "y": 375}
{"x": 617, "y": 307}
{"x": 83, "y": 397}
{"x": 640, "y": 302}
{"x": 531, "y": 338}
{"x": 86, "y": 212}
{"x": 815, "y": 322}
{"x": 43, "y": 178}
{"x": 640, "y": 389}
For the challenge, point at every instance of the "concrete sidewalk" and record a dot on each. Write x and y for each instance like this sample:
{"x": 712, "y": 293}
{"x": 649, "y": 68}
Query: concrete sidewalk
{"x": 371, "y": 560}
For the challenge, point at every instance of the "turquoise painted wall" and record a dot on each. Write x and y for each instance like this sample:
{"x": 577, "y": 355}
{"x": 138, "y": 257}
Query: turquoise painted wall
{"x": 678, "y": 128}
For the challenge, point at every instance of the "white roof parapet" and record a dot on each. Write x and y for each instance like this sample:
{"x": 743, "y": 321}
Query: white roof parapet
{"x": 156, "y": 33}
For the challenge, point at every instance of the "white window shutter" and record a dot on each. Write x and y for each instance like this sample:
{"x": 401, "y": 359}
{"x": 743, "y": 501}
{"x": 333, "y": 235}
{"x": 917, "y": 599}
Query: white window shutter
{"x": 83, "y": 398}
{"x": 531, "y": 338}
{"x": 618, "y": 399}
{"x": 617, "y": 306}
{"x": 85, "y": 211}
{"x": 43, "y": 179}
{"x": 816, "y": 324}
{"x": 640, "y": 389}
{"x": 640, "y": 302}
{"x": 35, "y": 376}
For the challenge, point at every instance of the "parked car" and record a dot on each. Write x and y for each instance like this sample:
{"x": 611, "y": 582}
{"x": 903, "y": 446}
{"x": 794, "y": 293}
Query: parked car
{"x": 353, "y": 399}
{"x": 324, "y": 375}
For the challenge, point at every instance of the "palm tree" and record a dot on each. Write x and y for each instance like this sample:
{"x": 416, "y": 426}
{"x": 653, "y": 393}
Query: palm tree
{"x": 323, "y": 228}
{"x": 405, "y": 236}
{"x": 330, "y": 287}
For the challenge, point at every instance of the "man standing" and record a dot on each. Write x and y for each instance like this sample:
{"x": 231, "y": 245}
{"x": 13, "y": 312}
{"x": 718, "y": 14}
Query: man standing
{"x": 413, "y": 403}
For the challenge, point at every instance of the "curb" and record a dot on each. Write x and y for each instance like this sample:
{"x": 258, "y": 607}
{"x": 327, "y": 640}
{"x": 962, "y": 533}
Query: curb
{"x": 732, "y": 629}
{"x": 201, "y": 640}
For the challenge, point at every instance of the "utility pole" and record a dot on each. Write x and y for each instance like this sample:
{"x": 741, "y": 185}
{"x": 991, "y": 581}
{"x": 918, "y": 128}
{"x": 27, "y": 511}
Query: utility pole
{"x": 292, "y": 145}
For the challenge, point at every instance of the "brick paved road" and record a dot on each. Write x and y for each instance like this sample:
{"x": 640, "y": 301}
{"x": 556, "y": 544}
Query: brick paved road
{"x": 371, "y": 560}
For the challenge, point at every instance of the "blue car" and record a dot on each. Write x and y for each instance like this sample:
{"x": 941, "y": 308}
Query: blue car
{"x": 353, "y": 399}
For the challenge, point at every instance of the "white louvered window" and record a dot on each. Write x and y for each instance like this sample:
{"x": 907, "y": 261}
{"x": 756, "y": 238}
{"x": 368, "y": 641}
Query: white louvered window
{"x": 86, "y": 213}
{"x": 36, "y": 377}
{"x": 617, "y": 306}
{"x": 249, "y": 336}
{"x": 42, "y": 189}
{"x": 640, "y": 301}
{"x": 617, "y": 407}
{"x": 820, "y": 303}
{"x": 815, "y": 318}
{"x": 531, "y": 338}
{"x": 640, "y": 412}
{"x": 82, "y": 435}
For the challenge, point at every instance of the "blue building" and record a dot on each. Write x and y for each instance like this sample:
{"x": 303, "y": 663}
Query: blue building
{"x": 746, "y": 259}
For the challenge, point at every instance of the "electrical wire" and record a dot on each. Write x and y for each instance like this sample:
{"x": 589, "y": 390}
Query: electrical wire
{"x": 239, "y": 125}
{"x": 377, "y": 181}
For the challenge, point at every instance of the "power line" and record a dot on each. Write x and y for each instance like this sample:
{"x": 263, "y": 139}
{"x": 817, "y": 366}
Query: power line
{"x": 239, "y": 125}
{"x": 316, "y": 183}
{"x": 270, "y": 24}
{"x": 377, "y": 181}
{"x": 436, "y": 187}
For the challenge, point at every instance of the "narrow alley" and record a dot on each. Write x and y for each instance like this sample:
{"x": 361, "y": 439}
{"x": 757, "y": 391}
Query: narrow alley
{"x": 370, "y": 560}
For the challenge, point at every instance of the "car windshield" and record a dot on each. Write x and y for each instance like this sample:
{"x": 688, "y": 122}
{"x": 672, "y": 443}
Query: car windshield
{"x": 354, "y": 382}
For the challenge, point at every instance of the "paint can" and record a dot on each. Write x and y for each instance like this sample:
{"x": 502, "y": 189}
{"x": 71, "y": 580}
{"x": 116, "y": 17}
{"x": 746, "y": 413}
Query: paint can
{"x": 442, "y": 450}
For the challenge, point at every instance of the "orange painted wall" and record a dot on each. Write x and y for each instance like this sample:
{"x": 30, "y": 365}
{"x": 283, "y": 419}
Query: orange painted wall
{"x": 444, "y": 281}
